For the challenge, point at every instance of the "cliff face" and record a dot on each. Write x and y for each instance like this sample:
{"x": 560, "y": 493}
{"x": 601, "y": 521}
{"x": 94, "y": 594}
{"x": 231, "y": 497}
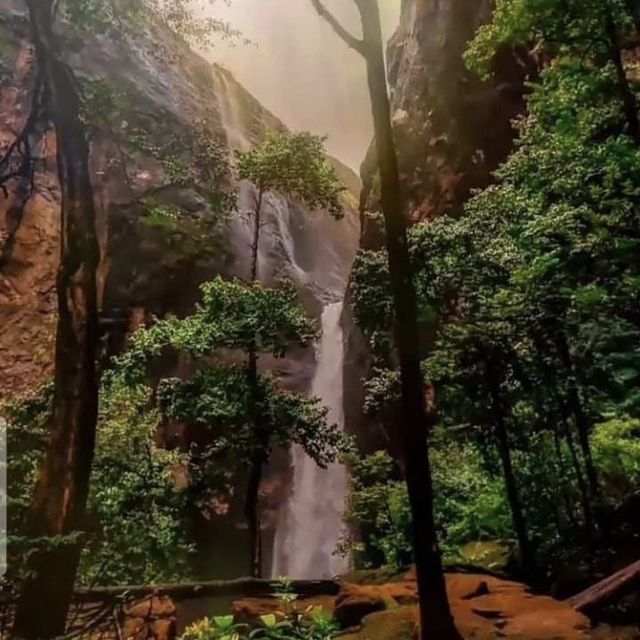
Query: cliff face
{"x": 452, "y": 130}
{"x": 163, "y": 127}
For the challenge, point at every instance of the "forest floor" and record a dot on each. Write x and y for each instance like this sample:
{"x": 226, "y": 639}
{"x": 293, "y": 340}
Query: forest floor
{"x": 368, "y": 606}
{"x": 484, "y": 607}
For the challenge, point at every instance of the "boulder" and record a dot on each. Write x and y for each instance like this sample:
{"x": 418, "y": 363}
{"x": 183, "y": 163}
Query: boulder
{"x": 484, "y": 607}
{"x": 354, "y": 602}
{"x": 153, "y": 618}
{"x": 152, "y": 608}
{"x": 400, "y": 623}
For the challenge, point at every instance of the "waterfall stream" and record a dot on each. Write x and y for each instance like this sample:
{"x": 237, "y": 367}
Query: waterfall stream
{"x": 311, "y": 523}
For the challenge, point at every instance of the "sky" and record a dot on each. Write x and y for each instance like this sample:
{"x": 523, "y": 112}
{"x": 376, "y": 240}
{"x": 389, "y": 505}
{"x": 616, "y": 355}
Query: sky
{"x": 300, "y": 70}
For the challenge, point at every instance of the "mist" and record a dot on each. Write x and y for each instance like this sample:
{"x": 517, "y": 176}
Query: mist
{"x": 300, "y": 70}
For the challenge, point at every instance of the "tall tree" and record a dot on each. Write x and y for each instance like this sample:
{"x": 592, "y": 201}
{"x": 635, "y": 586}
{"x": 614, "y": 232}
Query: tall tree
{"x": 291, "y": 164}
{"x": 222, "y": 399}
{"x": 60, "y": 497}
{"x": 435, "y": 613}
{"x": 61, "y": 494}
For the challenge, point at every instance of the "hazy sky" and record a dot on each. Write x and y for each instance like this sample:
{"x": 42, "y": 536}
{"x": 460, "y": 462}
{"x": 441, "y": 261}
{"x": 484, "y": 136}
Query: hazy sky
{"x": 300, "y": 70}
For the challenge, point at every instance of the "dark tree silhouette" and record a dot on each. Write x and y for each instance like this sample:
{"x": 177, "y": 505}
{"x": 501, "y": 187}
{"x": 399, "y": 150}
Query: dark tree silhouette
{"x": 58, "y": 507}
{"x": 435, "y": 613}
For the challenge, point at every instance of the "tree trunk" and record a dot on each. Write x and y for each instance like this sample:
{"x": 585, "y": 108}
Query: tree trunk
{"x": 257, "y": 220}
{"x": 566, "y": 498}
{"x": 565, "y": 416}
{"x": 609, "y": 590}
{"x": 627, "y": 96}
{"x": 435, "y": 614}
{"x": 61, "y": 493}
{"x": 585, "y": 497}
{"x": 527, "y": 555}
{"x": 580, "y": 417}
{"x": 252, "y": 514}
{"x": 252, "y": 500}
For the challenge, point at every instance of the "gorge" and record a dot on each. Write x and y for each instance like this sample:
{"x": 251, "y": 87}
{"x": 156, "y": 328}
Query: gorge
{"x": 252, "y": 417}
{"x": 306, "y": 247}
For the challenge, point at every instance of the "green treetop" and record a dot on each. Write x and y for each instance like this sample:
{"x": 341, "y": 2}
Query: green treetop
{"x": 242, "y": 413}
{"x": 291, "y": 165}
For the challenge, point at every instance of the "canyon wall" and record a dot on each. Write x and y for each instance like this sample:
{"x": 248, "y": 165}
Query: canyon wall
{"x": 452, "y": 131}
{"x": 163, "y": 132}
{"x": 164, "y": 126}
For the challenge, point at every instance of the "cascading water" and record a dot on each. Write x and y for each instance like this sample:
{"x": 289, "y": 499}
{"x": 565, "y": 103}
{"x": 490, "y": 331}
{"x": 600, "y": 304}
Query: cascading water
{"x": 311, "y": 523}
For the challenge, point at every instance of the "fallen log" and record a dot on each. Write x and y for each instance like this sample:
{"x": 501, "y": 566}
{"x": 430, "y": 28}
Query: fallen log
{"x": 614, "y": 587}
{"x": 189, "y": 590}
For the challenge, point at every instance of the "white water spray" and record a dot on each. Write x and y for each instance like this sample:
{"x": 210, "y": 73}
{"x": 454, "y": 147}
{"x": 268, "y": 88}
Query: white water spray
{"x": 311, "y": 523}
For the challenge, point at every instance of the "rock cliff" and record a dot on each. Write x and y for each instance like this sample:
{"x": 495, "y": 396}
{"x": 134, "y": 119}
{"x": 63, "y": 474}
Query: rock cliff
{"x": 452, "y": 130}
{"x": 163, "y": 125}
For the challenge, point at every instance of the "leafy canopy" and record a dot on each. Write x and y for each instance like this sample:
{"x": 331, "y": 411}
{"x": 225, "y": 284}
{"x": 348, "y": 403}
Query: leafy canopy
{"x": 135, "y": 516}
{"x": 294, "y": 164}
{"x": 185, "y": 18}
{"x": 220, "y": 397}
{"x": 537, "y": 284}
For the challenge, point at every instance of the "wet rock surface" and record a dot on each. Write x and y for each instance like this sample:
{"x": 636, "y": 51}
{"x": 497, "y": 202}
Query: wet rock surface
{"x": 171, "y": 104}
{"x": 485, "y": 608}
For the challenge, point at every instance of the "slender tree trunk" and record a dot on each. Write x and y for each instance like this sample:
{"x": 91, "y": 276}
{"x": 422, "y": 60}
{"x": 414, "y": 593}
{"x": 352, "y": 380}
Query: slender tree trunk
{"x": 435, "y": 614}
{"x": 61, "y": 493}
{"x": 252, "y": 515}
{"x": 582, "y": 422}
{"x": 252, "y": 500}
{"x": 568, "y": 502}
{"x": 257, "y": 221}
{"x": 564, "y": 419}
{"x": 527, "y": 554}
{"x": 583, "y": 488}
{"x": 627, "y": 96}
{"x": 436, "y": 620}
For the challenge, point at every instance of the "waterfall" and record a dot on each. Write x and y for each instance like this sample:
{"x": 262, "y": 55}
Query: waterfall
{"x": 311, "y": 523}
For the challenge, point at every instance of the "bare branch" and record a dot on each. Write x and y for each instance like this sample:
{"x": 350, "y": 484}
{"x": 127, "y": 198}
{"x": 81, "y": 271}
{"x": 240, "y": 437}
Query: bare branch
{"x": 349, "y": 38}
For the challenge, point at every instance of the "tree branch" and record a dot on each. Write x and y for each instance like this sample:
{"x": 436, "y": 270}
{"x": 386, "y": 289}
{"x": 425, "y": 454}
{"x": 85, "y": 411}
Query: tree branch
{"x": 188, "y": 590}
{"x": 348, "y": 38}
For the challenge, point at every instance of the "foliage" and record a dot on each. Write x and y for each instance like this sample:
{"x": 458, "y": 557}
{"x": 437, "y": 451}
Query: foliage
{"x": 231, "y": 315}
{"x": 26, "y": 434}
{"x": 379, "y": 506}
{"x": 470, "y": 505}
{"x": 616, "y": 445}
{"x": 219, "y": 398}
{"x": 287, "y": 624}
{"x": 135, "y": 503}
{"x": 219, "y": 401}
{"x": 216, "y": 628}
{"x": 529, "y": 298}
{"x": 294, "y": 164}
{"x": 135, "y": 515}
{"x": 559, "y": 26}
{"x": 371, "y": 300}
{"x": 192, "y": 23}
{"x": 191, "y": 158}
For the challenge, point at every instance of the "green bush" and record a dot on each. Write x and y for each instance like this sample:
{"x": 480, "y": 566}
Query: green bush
{"x": 290, "y": 623}
{"x": 470, "y": 506}
{"x": 616, "y": 448}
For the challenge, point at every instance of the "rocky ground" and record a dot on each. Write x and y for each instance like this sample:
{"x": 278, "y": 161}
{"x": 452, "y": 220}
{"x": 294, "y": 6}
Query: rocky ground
{"x": 485, "y": 608}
